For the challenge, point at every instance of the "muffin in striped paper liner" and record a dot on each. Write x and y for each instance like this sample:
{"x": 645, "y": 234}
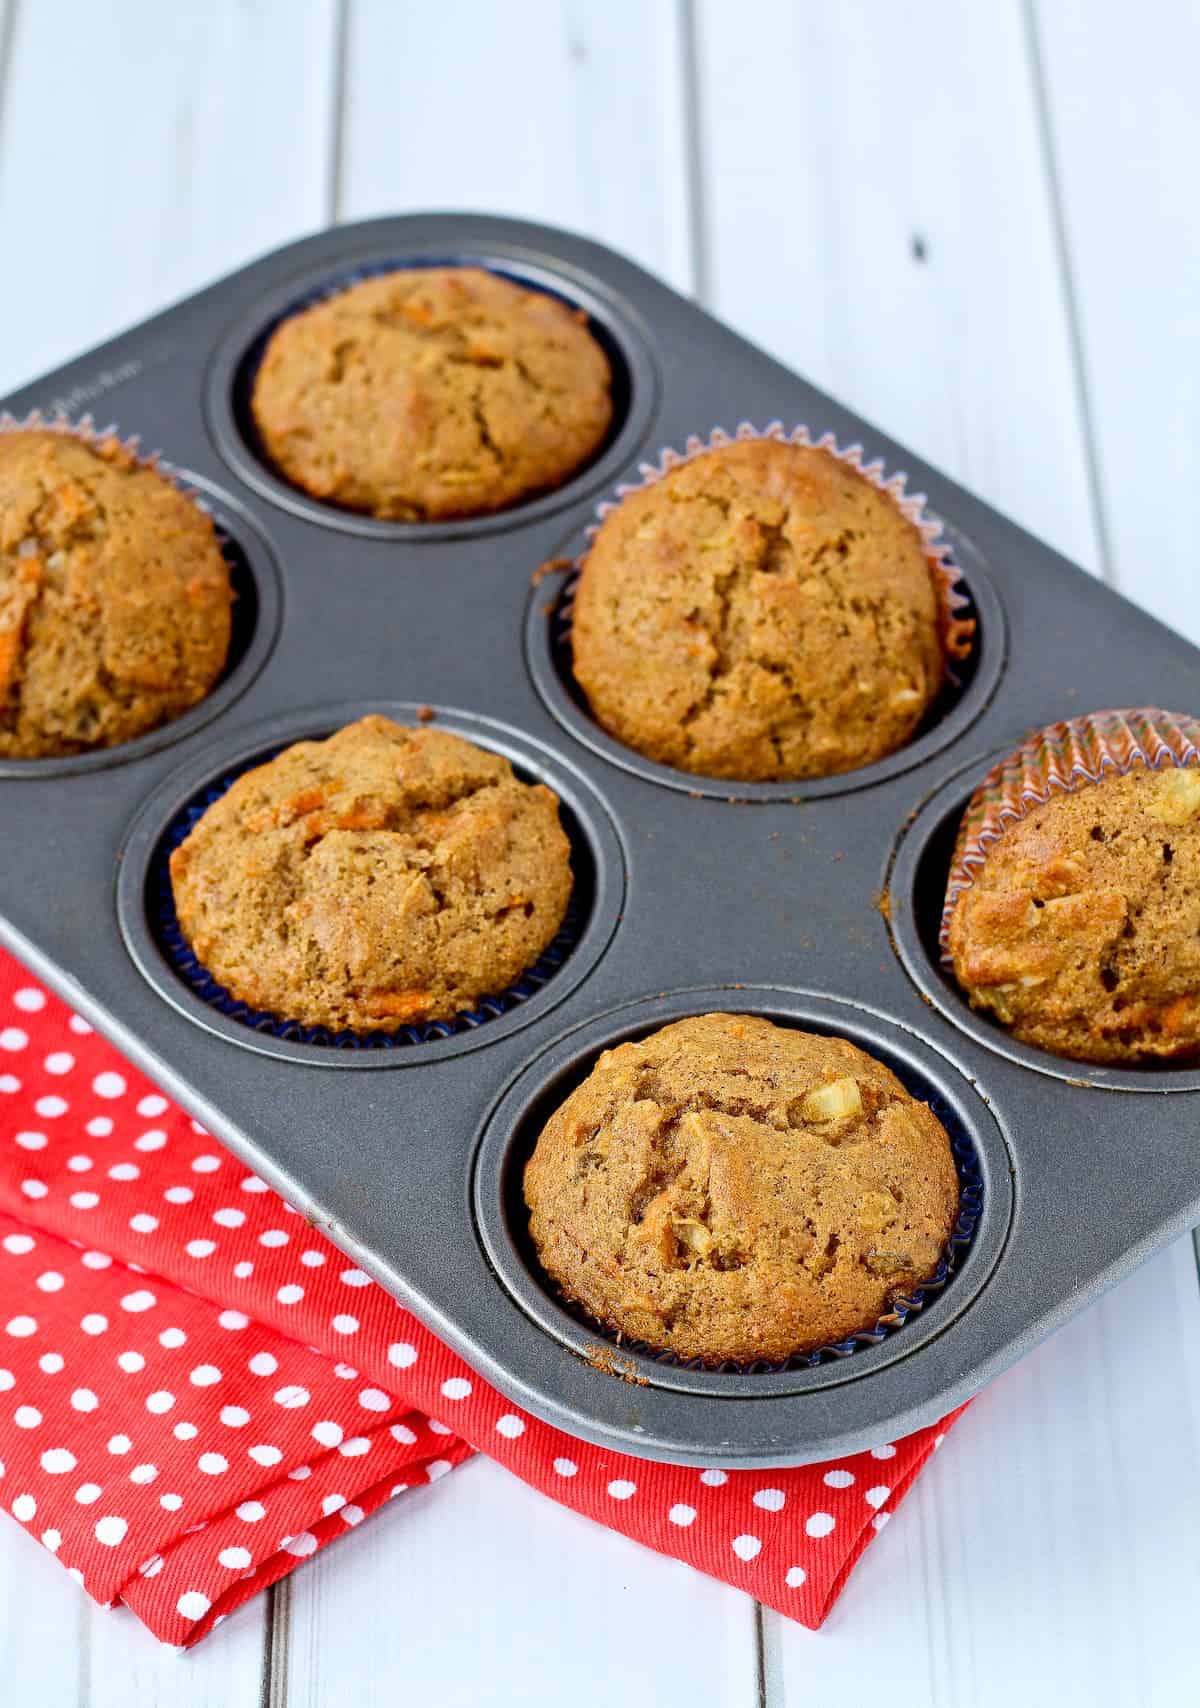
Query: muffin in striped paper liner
{"x": 127, "y": 447}
{"x": 1071, "y": 912}
{"x": 116, "y": 589}
{"x": 829, "y": 660}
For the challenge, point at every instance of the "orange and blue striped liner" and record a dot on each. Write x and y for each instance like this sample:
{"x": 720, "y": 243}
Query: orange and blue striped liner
{"x": 1062, "y": 758}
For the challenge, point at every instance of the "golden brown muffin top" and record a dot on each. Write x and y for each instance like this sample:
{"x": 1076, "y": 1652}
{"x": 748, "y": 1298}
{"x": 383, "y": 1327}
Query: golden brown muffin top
{"x": 114, "y": 596}
{"x": 1080, "y": 932}
{"x": 732, "y": 1189}
{"x": 382, "y": 877}
{"x": 431, "y": 393}
{"x": 762, "y": 611}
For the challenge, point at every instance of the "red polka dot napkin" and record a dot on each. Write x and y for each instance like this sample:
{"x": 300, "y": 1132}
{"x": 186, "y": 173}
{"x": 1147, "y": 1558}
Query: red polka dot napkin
{"x": 198, "y": 1391}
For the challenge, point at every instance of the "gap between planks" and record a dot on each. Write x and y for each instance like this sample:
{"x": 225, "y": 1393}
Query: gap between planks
{"x": 277, "y": 1631}
{"x": 688, "y": 36}
{"x": 335, "y": 182}
{"x": 277, "y": 1619}
{"x": 8, "y": 31}
{"x": 1062, "y": 246}
{"x": 1042, "y": 102}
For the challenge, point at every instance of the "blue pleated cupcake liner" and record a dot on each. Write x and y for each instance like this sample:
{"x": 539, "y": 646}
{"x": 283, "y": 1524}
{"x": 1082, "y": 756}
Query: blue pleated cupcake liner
{"x": 905, "y": 1307}
{"x": 164, "y": 921}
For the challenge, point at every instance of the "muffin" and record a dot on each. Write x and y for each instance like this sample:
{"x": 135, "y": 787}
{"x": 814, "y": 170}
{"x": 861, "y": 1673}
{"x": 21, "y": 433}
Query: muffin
{"x": 114, "y": 596}
{"x": 432, "y": 392}
{"x": 763, "y": 611}
{"x": 1076, "y": 924}
{"x": 379, "y": 878}
{"x": 730, "y": 1189}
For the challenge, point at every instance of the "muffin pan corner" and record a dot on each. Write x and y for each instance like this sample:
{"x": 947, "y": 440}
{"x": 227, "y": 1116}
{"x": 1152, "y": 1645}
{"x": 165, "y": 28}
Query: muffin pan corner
{"x": 814, "y": 908}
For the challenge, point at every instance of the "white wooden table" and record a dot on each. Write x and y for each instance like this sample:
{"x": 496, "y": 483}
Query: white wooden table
{"x": 976, "y": 223}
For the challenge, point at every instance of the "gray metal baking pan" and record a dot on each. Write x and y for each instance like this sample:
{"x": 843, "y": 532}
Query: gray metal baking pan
{"x": 816, "y": 903}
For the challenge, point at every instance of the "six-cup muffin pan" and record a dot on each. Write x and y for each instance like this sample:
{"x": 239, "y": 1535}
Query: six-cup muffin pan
{"x": 814, "y": 903}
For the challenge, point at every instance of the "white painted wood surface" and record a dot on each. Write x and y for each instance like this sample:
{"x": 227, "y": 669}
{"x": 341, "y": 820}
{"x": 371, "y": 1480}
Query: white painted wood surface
{"x": 1124, "y": 126}
{"x": 147, "y": 149}
{"x": 1045, "y": 350}
{"x": 495, "y": 1595}
{"x": 58, "y": 1650}
{"x": 839, "y": 145}
{"x": 571, "y": 113}
{"x": 1048, "y": 1555}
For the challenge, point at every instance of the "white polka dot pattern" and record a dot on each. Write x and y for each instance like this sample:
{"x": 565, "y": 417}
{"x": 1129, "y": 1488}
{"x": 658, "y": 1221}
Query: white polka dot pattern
{"x": 177, "y": 1454}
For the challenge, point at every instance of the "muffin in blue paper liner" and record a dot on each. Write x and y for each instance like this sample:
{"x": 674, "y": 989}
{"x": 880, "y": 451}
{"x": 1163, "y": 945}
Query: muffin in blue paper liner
{"x": 671, "y": 1164}
{"x": 904, "y": 1309}
{"x": 164, "y": 921}
{"x": 122, "y": 591}
{"x": 757, "y": 712}
{"x": 422, "y": 391}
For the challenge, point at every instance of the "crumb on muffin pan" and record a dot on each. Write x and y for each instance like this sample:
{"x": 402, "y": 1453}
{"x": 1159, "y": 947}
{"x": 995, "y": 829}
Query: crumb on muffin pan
{"x": 621, "y": 885}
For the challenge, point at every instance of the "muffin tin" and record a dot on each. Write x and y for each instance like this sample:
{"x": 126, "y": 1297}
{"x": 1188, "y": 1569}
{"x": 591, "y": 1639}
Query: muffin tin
{"x": 814, "y": 903}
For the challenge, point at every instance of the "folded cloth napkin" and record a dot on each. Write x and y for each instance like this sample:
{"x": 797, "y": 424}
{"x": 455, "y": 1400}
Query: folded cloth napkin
{"x": 198, "y": 1390}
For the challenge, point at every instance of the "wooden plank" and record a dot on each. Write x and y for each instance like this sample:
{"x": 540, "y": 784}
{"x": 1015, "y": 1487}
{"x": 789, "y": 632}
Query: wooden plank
{"x": 567, "y": 113}
{"x": 1124, "y": 131}
{"x": 58, "y": 1650}
{"x": 878, "y": 217}
{"x": 573, "y": 115}
{"x": 45, "y": 1622}
{"x": 140, "y": 158}
{"x": 1049, "y": 1554}
{"x": 143, "y": 154}
{"x": 7, "y": 20}
{"x": 481, "y": 1591}
{"x": 1040, "y": 1559}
